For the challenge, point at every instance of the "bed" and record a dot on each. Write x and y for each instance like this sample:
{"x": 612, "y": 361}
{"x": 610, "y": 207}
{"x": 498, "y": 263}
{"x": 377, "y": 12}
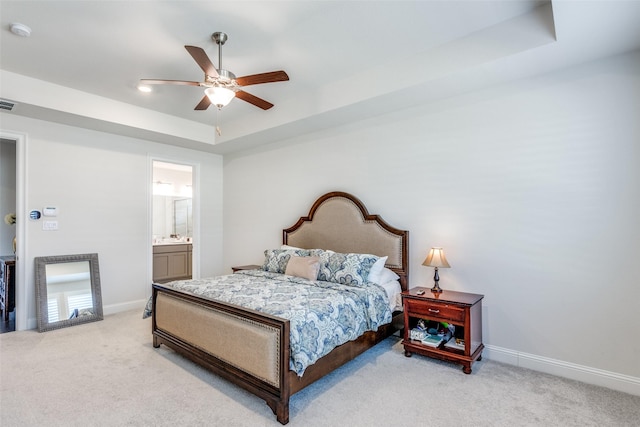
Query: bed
{"x": 245, "y": 343}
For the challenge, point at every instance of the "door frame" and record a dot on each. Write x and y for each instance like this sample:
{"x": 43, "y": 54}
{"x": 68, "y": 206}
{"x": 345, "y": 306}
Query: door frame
{"x": 195, "y": 182}
{"x": 21, "y": 229}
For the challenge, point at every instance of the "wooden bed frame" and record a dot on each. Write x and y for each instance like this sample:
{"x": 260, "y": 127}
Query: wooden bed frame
{"x": 251, "y": 349}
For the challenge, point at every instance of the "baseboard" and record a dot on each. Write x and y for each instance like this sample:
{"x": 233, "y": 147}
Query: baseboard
{"x": 586, "y": 374}
{"x": 32, "y": 323}
{"x": 118, "y": 308}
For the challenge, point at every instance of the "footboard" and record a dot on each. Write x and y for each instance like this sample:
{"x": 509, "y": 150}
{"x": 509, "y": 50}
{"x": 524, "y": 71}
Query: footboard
{"x": 248, "y": 348}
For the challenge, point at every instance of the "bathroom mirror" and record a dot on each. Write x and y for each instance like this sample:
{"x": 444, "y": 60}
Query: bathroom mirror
{"x": 67, "y": 290}
{"x": 172, "y": 215}
{"x": 182, "y": 214}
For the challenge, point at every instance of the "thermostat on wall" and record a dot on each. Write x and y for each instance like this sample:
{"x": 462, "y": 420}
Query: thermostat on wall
{"x": 35, "y": 215}
{"x": 50, "y": 211}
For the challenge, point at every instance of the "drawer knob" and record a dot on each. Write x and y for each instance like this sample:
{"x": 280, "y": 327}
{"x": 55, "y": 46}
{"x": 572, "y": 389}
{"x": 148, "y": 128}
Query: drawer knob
{"x": 434, "y": 311}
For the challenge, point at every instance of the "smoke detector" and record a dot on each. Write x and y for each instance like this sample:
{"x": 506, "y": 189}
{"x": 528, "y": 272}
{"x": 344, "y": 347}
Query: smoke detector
{"x": 20, "y": 30}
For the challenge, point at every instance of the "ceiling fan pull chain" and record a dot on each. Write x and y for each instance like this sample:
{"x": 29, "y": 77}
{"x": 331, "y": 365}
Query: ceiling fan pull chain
{"x": 218, "y": 131}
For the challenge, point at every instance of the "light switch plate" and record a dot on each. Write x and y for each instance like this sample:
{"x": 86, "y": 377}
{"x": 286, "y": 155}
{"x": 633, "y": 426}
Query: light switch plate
{"x": 50, "y": 211}
{"x": 50, "y": 225}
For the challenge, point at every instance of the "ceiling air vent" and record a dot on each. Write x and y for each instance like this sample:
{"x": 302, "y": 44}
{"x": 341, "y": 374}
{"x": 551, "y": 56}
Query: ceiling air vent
{"x": 6, "y": 105}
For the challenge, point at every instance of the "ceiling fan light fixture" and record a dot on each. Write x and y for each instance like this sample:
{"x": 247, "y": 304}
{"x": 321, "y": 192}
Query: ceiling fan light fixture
{"x": 219, "y": 96}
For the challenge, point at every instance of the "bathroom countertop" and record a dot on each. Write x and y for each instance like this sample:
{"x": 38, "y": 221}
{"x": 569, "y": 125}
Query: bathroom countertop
{"x": 171, "y": 243}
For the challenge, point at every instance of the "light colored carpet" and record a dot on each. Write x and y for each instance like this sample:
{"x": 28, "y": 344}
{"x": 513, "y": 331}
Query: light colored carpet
{"x": 107, "y": 373}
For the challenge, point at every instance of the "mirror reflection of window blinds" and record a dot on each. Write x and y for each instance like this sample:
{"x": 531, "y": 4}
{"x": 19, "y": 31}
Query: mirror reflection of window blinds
{"x": 58, "y": 304}
{"x": 52, "y": 305}
{"x": 79, "y": 301}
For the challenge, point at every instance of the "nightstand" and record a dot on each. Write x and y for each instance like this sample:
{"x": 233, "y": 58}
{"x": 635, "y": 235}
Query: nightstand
{"x": 246, "y": 267}
{"x": 461, "y": 309}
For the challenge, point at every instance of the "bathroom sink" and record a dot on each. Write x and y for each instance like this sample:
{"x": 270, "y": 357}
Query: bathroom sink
{"x": 171, "y": 242}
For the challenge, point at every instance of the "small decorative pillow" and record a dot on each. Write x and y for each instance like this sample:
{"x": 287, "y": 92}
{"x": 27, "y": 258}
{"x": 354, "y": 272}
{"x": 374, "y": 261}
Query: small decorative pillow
{"x": 306, "y": 267}
{"x": 346, "y": 269}
{"x": 275, "y": 260}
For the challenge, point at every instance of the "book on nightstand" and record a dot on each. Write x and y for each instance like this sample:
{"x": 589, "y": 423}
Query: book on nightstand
{"x": 456, "y": 343}
{"x": 432, "y": 340}
{"x": 417, "y": 334}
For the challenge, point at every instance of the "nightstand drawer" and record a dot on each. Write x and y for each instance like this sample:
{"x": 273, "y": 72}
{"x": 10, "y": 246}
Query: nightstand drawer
{"x": 435, "y": 310}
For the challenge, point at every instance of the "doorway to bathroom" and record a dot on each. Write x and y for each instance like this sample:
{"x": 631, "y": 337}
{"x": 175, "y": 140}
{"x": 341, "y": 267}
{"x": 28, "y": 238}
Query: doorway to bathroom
{"x": 8, "y": 204}
{"x": 172, "y": 218}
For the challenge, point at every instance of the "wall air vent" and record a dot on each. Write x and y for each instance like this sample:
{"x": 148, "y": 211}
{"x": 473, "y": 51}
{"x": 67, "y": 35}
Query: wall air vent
{"x": 6, "y": 105}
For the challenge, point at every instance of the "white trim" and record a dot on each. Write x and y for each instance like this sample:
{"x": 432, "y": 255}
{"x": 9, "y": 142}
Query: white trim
{"x": 22, "y": 322}
{"x": 107, "y": 310}
{"x": 149, "y": 224}
{"x": 195, "y": 181}
{"x": 586, "y": 374}
{"x": 32, "y": 323}
{"x": 126, "y": 306}
{"x": 197, "y": 240}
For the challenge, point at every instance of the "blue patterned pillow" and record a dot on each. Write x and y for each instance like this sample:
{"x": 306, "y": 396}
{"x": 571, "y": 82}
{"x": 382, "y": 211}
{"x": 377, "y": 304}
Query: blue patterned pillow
{"x": 275, "y": 260}
{"x": 346, "y": 269}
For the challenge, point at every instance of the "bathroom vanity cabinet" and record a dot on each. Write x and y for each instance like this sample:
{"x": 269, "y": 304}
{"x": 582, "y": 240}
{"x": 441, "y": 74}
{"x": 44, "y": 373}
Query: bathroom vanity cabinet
{"x": 172, "y": 262}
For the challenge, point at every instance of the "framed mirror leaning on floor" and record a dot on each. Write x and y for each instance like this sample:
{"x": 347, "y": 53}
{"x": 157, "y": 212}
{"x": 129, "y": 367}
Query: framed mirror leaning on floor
{"x": 67, "y": 290}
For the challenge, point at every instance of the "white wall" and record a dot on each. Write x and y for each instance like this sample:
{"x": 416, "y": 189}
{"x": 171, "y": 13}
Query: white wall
{"x": 532, "y": 188}
{"x": 101, "y": 185}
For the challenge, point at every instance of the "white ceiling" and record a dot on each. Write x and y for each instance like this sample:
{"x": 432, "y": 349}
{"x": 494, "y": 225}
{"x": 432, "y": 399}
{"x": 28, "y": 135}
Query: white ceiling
{"x": 346, "y": 60}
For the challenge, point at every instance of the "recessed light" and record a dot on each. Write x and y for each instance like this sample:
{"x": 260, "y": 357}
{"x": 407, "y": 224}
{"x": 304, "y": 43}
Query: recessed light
{"x": 144, "y": 88}
{"x": 20, "y": 30}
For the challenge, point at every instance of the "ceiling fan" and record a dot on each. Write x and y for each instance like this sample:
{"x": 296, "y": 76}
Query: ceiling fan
{"x": 222, "y": 85}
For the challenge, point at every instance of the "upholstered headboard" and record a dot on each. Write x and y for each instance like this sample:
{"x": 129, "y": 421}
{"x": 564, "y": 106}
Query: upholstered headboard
{"x": 340, "y": 222}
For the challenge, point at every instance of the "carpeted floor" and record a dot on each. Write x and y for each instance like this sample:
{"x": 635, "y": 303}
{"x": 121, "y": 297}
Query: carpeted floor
{"x": 107, "y": 373}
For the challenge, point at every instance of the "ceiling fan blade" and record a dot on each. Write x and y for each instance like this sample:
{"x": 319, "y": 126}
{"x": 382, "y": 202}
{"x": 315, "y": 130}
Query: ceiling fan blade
{"x": 252, "y": 99}
{"x": 254, "y": 79}
{"x": 168, "y": 82}
{"x": 203, "y": 60}
{"x": 203, "y": 104}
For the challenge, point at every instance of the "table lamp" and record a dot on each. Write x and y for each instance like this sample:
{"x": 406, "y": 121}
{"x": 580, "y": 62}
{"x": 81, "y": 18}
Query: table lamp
{"x": 436, "y": 259}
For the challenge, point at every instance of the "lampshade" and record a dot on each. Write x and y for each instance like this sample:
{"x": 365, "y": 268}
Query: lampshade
{"x": 436, "y": 258}
{"x": 219, "y": 96}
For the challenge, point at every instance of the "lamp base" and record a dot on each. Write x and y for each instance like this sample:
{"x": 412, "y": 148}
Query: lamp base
{"x": 436, "y": 287}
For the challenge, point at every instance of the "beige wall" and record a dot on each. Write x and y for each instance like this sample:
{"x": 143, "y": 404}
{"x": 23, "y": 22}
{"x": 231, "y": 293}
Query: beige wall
{"x": 532, "y": 188}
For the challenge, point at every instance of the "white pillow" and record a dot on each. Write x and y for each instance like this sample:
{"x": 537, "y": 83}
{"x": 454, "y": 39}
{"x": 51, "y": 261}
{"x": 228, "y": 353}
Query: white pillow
{"x": 289, "y": 247}
{"x": 376, "y": 270}
{"x": 387, "y": 276}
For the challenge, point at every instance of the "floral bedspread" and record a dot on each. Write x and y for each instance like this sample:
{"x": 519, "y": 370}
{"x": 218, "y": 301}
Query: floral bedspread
{"x": 322, "y": 315}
